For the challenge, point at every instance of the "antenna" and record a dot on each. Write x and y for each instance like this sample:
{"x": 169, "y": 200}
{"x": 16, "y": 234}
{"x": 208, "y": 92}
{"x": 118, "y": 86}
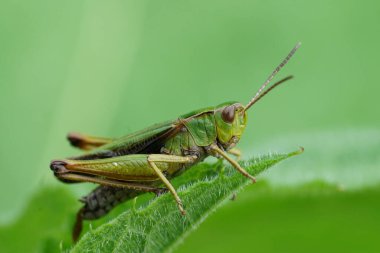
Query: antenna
{"x": 271, "y": 88}
{"x": 259, "y": 93}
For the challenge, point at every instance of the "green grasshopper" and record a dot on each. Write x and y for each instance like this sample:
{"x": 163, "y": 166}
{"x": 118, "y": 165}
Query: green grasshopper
{"x": 145, "y": 160}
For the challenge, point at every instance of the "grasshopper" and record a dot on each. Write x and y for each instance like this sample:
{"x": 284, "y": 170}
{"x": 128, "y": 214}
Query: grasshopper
{"x": 146, "y": 160}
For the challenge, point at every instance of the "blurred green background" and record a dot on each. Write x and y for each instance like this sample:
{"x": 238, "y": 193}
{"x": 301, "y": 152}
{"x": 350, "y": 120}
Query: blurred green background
{"x": 111, "y": 67}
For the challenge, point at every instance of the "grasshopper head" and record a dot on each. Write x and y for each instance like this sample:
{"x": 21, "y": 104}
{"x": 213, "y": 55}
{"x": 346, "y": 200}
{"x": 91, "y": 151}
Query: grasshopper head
{"x": 230, "y": 120}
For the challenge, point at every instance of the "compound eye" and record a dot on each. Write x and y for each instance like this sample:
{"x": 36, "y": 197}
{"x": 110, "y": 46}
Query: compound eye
{"x": 228, "y": 114}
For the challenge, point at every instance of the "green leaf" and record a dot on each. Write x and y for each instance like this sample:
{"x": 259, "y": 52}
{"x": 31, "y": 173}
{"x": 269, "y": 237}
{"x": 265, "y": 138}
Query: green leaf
{"x": 330, "y": 192}
{"x": 312, "y": 218}
{"x": 159, "y": 226}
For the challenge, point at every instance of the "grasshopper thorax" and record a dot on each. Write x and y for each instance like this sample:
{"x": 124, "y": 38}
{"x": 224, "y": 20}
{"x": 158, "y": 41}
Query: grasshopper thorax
{"x": 230, "y": 121}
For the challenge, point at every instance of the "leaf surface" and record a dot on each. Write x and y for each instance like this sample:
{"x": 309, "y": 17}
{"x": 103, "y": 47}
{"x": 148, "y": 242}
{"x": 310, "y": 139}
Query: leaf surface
{"x": 159, "y": 226}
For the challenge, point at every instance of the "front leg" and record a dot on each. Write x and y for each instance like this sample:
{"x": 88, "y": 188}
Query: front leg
{"x": 217, "y": 151}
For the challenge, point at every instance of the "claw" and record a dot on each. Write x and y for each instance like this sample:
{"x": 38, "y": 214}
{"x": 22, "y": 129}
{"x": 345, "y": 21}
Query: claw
{"x": 181, "y": 209}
